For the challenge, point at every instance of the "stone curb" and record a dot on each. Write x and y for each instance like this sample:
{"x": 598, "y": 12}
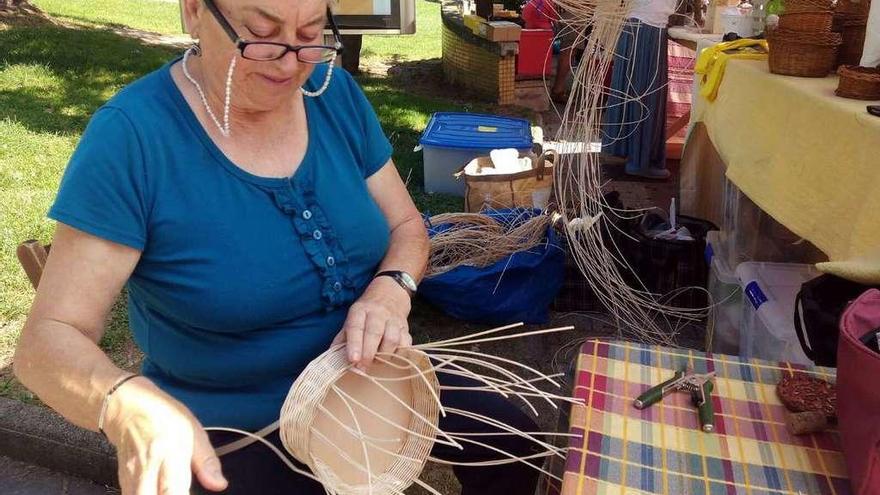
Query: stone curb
{"x": 39, "y": 436}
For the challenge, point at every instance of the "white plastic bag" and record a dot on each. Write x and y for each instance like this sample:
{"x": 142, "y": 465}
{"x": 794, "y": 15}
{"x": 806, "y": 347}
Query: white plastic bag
{"x": 871, "y": 55}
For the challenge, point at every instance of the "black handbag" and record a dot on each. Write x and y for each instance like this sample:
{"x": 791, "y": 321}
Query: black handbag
{"x": 817, "y": 311}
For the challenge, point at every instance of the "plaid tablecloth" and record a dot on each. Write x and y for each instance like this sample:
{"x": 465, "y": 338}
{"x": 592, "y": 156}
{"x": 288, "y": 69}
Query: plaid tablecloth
{"x": 661, "y": 450}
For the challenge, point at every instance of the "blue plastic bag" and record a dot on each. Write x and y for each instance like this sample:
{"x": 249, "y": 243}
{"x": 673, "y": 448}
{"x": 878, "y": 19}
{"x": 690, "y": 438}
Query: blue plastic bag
{"x": 518, "y": 288}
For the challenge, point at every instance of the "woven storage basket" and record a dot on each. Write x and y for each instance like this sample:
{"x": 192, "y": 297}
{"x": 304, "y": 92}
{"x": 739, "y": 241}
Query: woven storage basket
{"x": 807, "y": 21}
{"x": 799, "y": 54}
{"x": 853, "y": 30}
{"x": 808, "y": 5}
{"x": 860, "y": 83}
{"x": 307, "y": 426}
{"x": 851, "y": 7}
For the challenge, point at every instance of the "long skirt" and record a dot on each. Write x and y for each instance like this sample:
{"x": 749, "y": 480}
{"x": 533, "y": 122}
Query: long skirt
{"x": 634, "y": 122}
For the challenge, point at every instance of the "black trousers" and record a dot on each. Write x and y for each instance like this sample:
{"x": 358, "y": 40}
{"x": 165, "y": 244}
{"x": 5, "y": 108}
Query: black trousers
{"x": 257, "y": 470}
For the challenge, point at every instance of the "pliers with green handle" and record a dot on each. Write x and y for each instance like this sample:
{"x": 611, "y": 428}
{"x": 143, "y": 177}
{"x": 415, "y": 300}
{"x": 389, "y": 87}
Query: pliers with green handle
{"x": 699, "y": 385}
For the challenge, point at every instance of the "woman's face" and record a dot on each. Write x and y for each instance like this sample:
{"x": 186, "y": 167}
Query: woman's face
{"x": 257, "y": 85}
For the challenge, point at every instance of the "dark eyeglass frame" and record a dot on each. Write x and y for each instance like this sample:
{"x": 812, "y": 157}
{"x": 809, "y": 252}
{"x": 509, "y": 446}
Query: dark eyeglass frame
{"x": 242, "y": 44}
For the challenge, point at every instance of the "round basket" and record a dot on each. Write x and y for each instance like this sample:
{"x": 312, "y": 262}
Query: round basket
{"x": 363, "y": 434}
{"x": 807, "y": 21}
{"x": 799, "y": 54}
{"x": 853, "y": 30}
{"x": 860, "y": 83}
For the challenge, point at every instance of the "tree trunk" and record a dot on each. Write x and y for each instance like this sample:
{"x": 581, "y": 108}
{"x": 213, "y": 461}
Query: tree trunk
{"x": 18, "y": 7}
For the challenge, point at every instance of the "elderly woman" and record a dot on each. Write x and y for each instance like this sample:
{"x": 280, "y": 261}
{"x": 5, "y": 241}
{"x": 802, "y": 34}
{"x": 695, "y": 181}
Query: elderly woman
{"x": 246, "y": 196}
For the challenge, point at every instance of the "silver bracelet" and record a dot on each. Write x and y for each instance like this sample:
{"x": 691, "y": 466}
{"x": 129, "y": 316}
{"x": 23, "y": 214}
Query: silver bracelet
{"x": 104, "y": 404}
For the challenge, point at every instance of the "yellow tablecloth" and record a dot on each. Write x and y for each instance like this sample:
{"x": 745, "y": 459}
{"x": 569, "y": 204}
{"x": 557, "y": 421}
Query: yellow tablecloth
{"x": 809, "y": 159}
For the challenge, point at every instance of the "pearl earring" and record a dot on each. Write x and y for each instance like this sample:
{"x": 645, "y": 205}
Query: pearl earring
{"x": 224, "y": 128}
{"x": 326, "y": 84}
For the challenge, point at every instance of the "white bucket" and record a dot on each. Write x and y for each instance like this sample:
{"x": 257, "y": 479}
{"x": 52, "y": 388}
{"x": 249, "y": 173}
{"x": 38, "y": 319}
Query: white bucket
{"x": 734, "y": 20}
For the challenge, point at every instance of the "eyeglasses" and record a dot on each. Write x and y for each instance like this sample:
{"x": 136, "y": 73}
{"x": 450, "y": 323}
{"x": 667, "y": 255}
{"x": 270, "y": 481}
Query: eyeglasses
{"x": 266, "y": 51}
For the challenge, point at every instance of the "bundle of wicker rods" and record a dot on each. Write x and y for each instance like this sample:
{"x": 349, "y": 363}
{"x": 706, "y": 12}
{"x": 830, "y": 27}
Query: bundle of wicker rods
{"x": 473, "y": 239}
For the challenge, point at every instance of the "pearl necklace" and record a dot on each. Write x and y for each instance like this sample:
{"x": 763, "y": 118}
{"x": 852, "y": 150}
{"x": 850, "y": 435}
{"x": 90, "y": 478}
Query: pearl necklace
{"x": 224, "y": 129}
{"x": 324, "y": 86}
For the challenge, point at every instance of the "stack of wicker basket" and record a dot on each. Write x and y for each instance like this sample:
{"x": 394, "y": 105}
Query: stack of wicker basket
{"x": 851, "y": 21}
{"x": 804, "y": 45}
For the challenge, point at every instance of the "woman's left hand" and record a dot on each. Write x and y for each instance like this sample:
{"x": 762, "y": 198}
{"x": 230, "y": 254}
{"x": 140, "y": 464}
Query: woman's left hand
{"x": 376, "y": 322}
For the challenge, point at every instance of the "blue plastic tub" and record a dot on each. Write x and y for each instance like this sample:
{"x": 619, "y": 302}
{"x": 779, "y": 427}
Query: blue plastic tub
{"x": 452, "y": 139}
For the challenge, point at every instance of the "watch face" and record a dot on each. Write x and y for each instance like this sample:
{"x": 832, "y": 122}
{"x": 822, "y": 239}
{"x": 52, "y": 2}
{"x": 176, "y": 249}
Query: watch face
{"x": 408, "y": 281}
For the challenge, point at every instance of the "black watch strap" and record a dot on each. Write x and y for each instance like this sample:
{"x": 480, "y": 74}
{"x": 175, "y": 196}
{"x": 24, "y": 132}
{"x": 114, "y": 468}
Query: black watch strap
{"x": 403, "y": 279}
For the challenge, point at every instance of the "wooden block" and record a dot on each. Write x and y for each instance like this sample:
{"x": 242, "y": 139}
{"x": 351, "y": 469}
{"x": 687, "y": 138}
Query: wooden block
{"x": 32, "y": 256}
{"x": 500, "y": 31}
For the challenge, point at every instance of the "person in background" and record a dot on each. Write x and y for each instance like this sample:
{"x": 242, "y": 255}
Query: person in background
{"x": 635, "y": 114}
{"x": 539, "y": 14}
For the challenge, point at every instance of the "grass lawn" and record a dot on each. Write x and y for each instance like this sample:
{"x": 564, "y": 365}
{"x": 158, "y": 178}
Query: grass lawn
{"x": 147, "y": 15}
{"x": 52, "y": 78}
{"x": 164, "y": 17}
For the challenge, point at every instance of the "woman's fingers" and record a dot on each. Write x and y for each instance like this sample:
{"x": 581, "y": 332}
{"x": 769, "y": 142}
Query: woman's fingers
{"x": 147, "y": 480}
{"x": 206, "y": 464}
{"x": 175, "y": 476}
{"x": 374, "y": 330}
{"x": 394, "y": 330}
{"x": 339, "y": 339}
{"x": 354, "y": 333}
{"x": 406, "y": 340}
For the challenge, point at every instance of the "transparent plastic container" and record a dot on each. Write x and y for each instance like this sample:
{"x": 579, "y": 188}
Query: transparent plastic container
{"x": 767, "y": 324}
{"x": 749, "y": 234}
{"x": 726, "y": 299}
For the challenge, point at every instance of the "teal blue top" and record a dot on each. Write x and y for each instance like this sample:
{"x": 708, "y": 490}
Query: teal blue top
{"x": 242, "y": 279}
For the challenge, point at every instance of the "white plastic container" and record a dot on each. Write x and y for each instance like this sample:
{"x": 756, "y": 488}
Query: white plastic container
{"x": 739, "y": 21}
{"x": 727, "y": 299}
{"x": 767, "y": 325}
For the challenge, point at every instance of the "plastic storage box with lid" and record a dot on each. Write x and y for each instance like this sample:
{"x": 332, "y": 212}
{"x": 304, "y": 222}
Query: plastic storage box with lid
{"x": 750, "y": 234}
{"x": 726, "y": 299}
{"x": 452, "y": 139}
{"x": 767, "y": 325}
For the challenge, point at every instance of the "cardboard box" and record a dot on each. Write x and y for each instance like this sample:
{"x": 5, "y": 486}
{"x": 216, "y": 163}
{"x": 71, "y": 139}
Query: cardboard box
{"x": 500, "y": 31}
{"x": 505, "y": 14}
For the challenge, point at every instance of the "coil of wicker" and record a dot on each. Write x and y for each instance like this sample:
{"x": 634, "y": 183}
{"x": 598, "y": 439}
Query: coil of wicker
{"x": 361, "y": 433}
{"x": 860, "y": 83}
{"x": 807, "y": 21}
{"x": 794, "y": 53}
{"x": 853, "y": 31}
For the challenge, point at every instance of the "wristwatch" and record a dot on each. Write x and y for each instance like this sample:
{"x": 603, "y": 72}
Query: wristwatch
{"x": 404, "y": 279}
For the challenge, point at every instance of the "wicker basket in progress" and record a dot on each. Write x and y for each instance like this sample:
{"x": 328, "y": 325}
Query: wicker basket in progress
{"x": 363, "y": 434}
{"x": 860, "y": 83}
{"x": 807, "y": 21}
{"x": 794, "y": 53}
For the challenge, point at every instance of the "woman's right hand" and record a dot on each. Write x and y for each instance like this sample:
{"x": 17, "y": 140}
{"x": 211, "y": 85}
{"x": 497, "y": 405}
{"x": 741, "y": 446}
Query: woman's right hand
{"x": 159, "y": 443}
